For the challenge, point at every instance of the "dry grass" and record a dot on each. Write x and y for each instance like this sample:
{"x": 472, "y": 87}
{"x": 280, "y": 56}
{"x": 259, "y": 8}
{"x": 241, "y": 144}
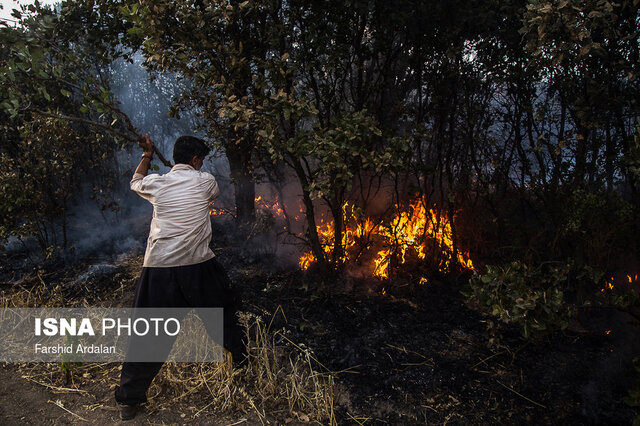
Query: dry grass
{"x": 30, "y": 292}
{"x": 282, "y": 379}
{"x": 278, "y": 378}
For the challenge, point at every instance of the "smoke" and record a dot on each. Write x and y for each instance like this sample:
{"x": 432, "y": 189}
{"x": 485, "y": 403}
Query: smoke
{"x": 104, "y": 234}
{"x": 95, "y": 232}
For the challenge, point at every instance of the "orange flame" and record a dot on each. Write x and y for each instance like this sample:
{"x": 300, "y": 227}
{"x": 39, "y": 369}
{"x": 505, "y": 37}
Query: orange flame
{"x": 274, "y": 207}
{"x": 608, "y": 285}
{"x": 407, "y": 234}
{"x": 407, "y": 231}
{"x": 350, "y": 236}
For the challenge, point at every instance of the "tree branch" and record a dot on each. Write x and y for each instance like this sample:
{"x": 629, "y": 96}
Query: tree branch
{"x": 133, "y": 138}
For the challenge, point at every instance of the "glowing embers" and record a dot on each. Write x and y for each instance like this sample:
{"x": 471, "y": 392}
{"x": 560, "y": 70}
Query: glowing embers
{"x": 412, "y": 234}
{"x": 274, "y": 207}
{"x": 609, "y": 286}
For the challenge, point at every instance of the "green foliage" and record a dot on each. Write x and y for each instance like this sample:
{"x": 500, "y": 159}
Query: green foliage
{"x": 350, "y": 143}
{"x": 66, "y": 365}
{"x": 54, "y": 100}
{"x": 587, "y": 212}
{"x": 531, "y": 298}
{"x": 571, "y": 31}
{"x": 49, "y": 65}
{"x": 598, "y": 224}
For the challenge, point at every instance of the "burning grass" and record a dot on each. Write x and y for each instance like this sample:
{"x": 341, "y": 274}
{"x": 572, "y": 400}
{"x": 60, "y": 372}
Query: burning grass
{"x": 378, "y": 246}
{"x": 416, "y": 233}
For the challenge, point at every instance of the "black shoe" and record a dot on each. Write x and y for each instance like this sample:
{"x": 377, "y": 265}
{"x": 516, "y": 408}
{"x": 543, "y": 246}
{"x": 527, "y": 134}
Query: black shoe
{"x": 128, "y": 412}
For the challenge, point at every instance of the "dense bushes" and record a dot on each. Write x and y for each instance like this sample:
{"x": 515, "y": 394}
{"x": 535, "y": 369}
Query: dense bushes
{"x": 531, "y": 298}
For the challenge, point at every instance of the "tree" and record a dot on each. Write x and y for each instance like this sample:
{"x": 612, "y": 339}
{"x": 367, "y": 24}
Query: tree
{"x": 589, "y": 52}
{"x": 60, "y": 125}
{"x": 218, "y": 46}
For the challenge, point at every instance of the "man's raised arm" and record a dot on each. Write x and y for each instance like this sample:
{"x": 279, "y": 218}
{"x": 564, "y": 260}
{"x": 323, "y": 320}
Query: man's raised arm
{"x": 136, "y": 183}
{"x": 147, "y": 156}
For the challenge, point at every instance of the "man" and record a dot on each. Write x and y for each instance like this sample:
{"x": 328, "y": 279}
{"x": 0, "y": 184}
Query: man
{"x": 179, "y": 268}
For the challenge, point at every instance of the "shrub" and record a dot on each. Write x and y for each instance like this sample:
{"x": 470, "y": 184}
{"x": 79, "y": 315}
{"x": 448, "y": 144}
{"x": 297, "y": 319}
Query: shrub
{"x": 532, "y": 298}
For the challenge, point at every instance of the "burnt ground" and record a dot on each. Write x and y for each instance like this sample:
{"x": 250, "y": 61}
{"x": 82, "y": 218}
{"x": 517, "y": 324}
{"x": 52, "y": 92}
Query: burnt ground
{"x": 417, "y": 354}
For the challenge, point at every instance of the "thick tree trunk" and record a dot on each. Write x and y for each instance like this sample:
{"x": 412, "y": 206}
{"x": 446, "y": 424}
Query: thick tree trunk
{"x": 244, "y": 185}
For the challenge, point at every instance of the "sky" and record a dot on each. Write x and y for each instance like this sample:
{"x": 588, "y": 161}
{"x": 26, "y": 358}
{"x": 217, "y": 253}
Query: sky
{"x": 7, "y": 5}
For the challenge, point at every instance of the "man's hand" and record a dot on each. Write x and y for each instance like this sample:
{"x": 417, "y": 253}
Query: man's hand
{"x": 147, "y": 155}
{"x": 146, "y": 145}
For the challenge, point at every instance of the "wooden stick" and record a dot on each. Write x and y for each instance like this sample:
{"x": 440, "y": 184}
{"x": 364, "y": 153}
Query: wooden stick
{"x": 111, "y": 106}
{"x": 238, "y": 422}
{"x": 487, "y": 359}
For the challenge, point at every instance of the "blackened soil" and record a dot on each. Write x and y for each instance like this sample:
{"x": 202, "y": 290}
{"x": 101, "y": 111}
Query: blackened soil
{"x": 419, "y": 354}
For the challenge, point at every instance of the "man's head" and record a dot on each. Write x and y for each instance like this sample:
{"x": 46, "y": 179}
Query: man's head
{"x": 190, "y": 150}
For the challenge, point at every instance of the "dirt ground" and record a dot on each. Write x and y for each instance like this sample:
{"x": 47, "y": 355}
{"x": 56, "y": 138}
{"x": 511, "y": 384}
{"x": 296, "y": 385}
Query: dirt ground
{"x": 414, "y": 355}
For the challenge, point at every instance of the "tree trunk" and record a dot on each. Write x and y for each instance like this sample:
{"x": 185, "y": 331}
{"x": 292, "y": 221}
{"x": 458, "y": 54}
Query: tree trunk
{"x": 245, "y": 191}
{"x": 314, "y": 240}
{"x": 338, "y": 225}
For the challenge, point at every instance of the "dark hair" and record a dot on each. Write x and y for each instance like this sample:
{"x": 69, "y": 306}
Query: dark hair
{"x": 186, "y": 147}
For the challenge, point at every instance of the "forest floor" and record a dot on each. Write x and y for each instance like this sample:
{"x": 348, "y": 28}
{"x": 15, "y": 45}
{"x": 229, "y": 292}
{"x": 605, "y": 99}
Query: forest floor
{"x": 417, "y": 354}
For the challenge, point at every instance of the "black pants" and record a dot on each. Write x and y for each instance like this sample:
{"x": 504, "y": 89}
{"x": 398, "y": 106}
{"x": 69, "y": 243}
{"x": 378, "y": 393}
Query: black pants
{"x": 202, "y": 285}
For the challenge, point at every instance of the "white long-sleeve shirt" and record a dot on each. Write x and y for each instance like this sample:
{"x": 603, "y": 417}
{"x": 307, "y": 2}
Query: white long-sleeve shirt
{"x": 180, "y": 228}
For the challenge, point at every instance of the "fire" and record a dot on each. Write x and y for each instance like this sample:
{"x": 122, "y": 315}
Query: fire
{"x": 351, "y": 235}
{"x": 409, "y": 233}
{"x": 306, "y": 260}
{"x": 608, "y": 285}
{"x": 274, "y": 207}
